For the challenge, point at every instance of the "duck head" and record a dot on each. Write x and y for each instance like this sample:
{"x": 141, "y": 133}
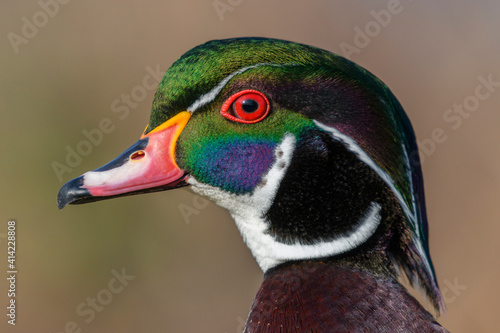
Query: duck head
{"x": 311, "y": 154}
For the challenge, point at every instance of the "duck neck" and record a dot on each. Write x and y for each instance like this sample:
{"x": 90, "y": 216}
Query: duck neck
{"x": 326, "y": 296}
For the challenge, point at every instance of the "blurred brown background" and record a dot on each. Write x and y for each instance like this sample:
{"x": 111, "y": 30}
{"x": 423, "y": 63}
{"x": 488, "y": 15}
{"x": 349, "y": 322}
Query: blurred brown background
{"x": 63, "y": 75}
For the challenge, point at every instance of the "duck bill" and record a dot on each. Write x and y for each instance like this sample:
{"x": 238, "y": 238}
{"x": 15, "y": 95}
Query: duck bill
{"x": 147, "y": 166}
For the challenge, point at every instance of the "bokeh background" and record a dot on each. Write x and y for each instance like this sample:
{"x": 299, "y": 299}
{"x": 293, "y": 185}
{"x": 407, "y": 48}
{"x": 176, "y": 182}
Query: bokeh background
{"x": 192, "y": 273}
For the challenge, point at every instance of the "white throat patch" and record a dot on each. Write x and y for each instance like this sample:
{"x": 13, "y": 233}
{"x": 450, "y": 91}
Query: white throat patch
{"x": 248, "y": 212}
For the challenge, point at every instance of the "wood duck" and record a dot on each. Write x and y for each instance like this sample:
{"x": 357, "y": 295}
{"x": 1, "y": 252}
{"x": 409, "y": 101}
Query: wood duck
{"x": 317, "y": 163}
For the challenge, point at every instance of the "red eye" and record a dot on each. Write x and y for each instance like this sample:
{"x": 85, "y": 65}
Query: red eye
{"x": 246, "y": 106}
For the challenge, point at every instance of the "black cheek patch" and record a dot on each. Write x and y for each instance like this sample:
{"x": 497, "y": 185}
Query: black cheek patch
{"x": 325, "y": 192}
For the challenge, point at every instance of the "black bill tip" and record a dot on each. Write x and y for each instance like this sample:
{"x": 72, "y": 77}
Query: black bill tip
{"x": 72, "y": 192}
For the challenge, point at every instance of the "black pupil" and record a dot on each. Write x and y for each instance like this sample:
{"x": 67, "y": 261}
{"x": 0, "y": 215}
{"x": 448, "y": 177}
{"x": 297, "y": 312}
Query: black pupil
{"x": 250, "y": 105}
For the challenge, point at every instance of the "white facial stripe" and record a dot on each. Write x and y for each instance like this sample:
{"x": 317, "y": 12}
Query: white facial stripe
{"x": 350, "y": 144}
{"x": 248, "y": 213}
{"x": 212, "y": 94}
{"x": 264, "y": 195}
{"x": 418, "y": 243}
{"x": 410, "y": 178}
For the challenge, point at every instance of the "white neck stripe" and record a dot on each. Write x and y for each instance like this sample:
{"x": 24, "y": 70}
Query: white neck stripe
{"x": 280, "y": 252}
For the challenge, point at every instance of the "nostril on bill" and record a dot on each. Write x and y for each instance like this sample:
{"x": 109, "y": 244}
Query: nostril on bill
{"x": 138, "y": 155}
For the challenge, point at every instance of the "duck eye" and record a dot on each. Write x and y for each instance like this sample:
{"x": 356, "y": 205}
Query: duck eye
{"x": 249, "y": 105}
{"x": 246, "y": 106}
